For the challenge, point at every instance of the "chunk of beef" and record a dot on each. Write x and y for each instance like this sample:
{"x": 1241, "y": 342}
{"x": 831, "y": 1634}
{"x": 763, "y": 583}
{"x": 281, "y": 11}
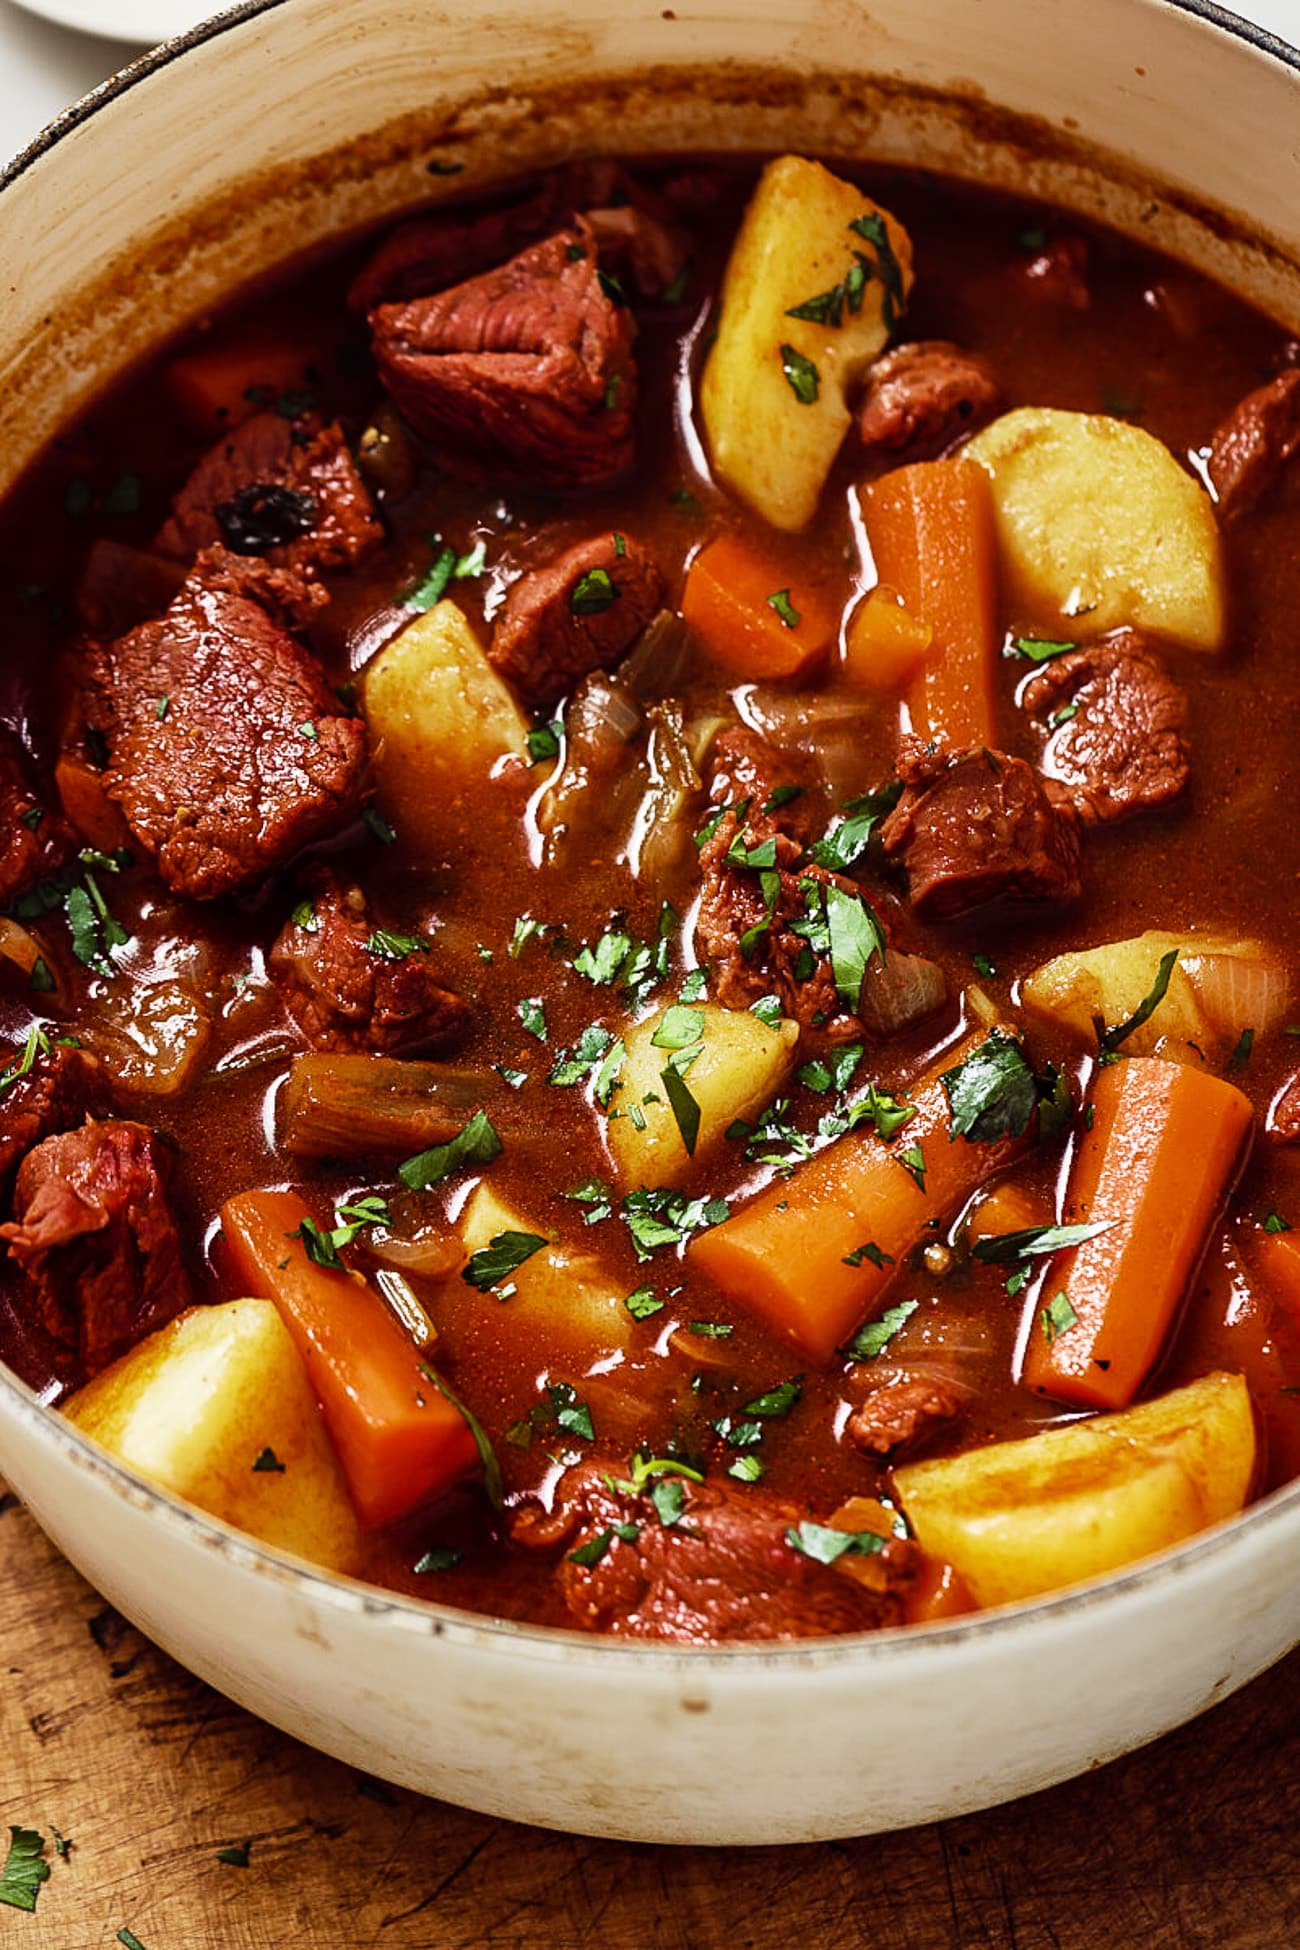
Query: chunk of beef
{"x": 902, "y": 1415}
{"x": 924, "y": 397}
{"x": 121, "y": 586}
{"x": 227, "y": 751}
{"x": 284, "y": 489}
{"x": 1250, "y": 448}
{"x": 35, "y": 840}
{"x": 758, "y": 928}
{"x": 634, "y": 229}
{"x": 724, "y": 1570}
{"x": 1057, "y": 272}
{"x": 352, "y": 986}
{"x": 1284, "y": 1115}
{"x": 978, "y": 826}
{"x": 579, "y": 613}
{"x": 95, "y": 1237}
{"x": 525, "y": 371}
{"x": 1122, "y": 748}
{"x": 62, "y": 1087}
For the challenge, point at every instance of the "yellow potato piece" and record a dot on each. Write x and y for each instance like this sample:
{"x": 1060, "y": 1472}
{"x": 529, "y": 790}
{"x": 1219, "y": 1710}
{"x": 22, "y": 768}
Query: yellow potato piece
{"x": 741, "y": 1065}
{"x": 195, "y": 1405}
{"x": 1099, "y": 526}
{"x": 1022, "y": 1518}
{"x": 768, "y": 445}
{"x": 563, "y": 1296}
{"x": 1107, "y": 983}
{"x": 439, "y": 719}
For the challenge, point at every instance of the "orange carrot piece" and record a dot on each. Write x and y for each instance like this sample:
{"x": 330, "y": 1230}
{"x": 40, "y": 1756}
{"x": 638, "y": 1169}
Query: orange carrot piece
{"x": 93, "y": 816}
{"x": 933, "y": 538}
{"x": 884, "y": 644}
{"x": 399, "y": 1439}
{"x": 1277, "y": 1254}
{"x": 1007, "y": 1208}
{"x": 753, "y": 611}
{"x": 1164, "y": 1149}
{"x": 798, "y": 1253}
{"x": 212, "y": 386}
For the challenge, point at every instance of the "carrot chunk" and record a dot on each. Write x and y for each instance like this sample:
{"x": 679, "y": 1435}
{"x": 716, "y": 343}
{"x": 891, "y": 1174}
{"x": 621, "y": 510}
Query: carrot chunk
{"x": 1155, "y": 1167}
{"x": 884, "y": 644}
{"x": 813, "y": 1253}
{"x": 754, "y": 612}
{"x": 399, "y": 1439}
{"x": 932, "y": 534}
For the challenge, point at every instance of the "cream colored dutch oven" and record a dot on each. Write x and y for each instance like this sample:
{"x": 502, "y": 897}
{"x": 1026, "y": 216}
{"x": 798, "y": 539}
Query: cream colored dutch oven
{"x": 274, "y": 126}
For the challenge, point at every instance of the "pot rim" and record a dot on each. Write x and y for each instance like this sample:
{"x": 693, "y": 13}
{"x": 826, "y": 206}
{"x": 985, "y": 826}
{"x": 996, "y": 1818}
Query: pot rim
{"x": 351, "y": 1597}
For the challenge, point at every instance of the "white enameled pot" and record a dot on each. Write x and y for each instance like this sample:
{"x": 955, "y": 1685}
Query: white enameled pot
{"x": 274, "y": 126}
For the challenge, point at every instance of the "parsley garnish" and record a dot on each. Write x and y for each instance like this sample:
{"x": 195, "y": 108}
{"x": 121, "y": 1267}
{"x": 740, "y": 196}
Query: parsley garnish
{"x": 395, "y": 947}
{"x": 594, "y": 593}
{"x": 1275, "y": 1223}
{"x": 493, "y": 1486}
{"x": 267, "y": 1463}
{"x": 656, "y": 1217}
{"x": 1110, "y": 1039}
{"x": 237, "y": 1856}
{"x": 872, "y": 226}
{"x": 37, "y": 1044}
{"x": 885, "y": 1112}
{"x": 378, "y": 826}
{"x": 1241, "y": 1054}
{"x": 913, "y": 1162}
{"x": 1035, "y": 1240}
{"x": 871, "y": 1251}
{"x": 679, "y": 1028}
{"x": 828, "y": 307}
{"x": 820, "y": 1541}
{"x": 441, "y": 1558}
{"x": 777, "y": 1401}
{"x": 846, "y": 841}
{"x": 711, "y": 1330}
{"x": 504, "y": 1253}
{"x": 683, "y": 1106}
{"x": 779, "y": 600}
{"x": 801, "y": 374}
{"x": 983, "y": 966}
{"x": 874, "y": 1338}
{"x": 532, "y": 1014}
{"x": 746, "y": 1469}
{"x": 992, "y": 1093}
{"x": 476, "y": 1143}
{"x": 41, "y": 980}
{"x": 601, "y": 963}
{"x": 25, "y": 1868}
{"x": 855, "y": 936}
{"x": 594, "y": 1549}
{"x": 1057, "y": 1317}
{"x": 544, "y": 741}
{"x": 1036, "y": 649}
{"x": 446, "y": 567}
{"x": 643, "y": 1302}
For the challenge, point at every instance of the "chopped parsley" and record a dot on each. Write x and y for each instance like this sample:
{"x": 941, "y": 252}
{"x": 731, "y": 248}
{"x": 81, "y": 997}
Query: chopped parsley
{"x": 1036, "y": 649}
{"x": 25, "y": 1868}
{"x": 1110, "y": 1039}
{"x": 869, "y": 1250}
{"x": 378, "y": 826}
{"x": 767, "y": 1009}
{"x": 643, "y": 1302}
{"x": 308, "y": 731}
{"x": 267, "y": 1463}
{"x": 779, "y": 600}
{"x": 595, "y": 1195}
{"x": 829, "y": 307}
{"x": 532, "y": 1014}
{"x": 594, "y": 593}
{"x": 595, "y": 1547}
{"x": 236, "y": 1856}
{"x": 885, "y": 1112}
{"x": 1275, "y": 1223}
{"x": 680, "y": 1027}
{"x": 825, "y": 1544}
{"x": 683, "y": 1105}
{"x": 504, "y": 1254}
{"x": 746, "y": 1469}
{"x": 777, "y": 1401}
{"x": 525, "y": 929}
{"x": 873, "y": 1338}
{"x": 668, "y": 1498}
{"x": 801, "y": 374}
{"x": 873, "y": 227}
{"x": 323, "y": 1248}
{"x": 493, "y": 1486}
{"x": 441, "y": 1558}
{"x": 983, "y": 966}
{"x": 446, "y": 567}
{"x": 1057, "y": 1317}
{"x": 601, "y": 962}
{"x": 1241, "y": 1054}
{"x": 913, "y": 1162}
{"x": 37, "y": 1044}
{"x": 575, "y": 1066}
{"x": 395, "y": 947}
{"x": 41, "y": 980}
{"x": 122, "y": 496}
{"x": 476, "y": 1143}
{"x": 855, "y": 936}
{"x": 1036, "y": 1240}
{"x": 657, "y": 1217}
{"x": 992, "y": 1093}
{"x": 544, "y": 741}
{"x": 846, "y": 841}
{"x": 739, "y": 1434}
{"x": 711, "y": 1330}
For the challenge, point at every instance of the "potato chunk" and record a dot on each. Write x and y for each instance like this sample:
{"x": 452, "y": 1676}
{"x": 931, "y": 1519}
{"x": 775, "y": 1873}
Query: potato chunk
{"x": 1217, "y": 989}
{"x": 1025, "y": 1517}
{"x": 195, "y": 1405}
{"x": 775, "y": 421}
{"x": 439, "y": 719}
{"x": 561, "y": 1296}
{"x": 1099, "y": 526}
{"x": 741, "y": 1065}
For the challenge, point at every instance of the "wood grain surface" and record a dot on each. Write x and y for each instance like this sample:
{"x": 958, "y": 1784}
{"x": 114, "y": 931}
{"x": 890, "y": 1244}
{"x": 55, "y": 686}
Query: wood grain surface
{"x": 1192, "y": 1845}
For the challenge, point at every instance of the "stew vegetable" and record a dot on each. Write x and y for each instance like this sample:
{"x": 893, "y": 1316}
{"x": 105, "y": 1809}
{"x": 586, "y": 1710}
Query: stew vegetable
{"x": 648, "y": 905}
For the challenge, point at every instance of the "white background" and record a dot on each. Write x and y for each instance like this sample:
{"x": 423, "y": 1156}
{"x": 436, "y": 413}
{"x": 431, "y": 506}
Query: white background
{"x": 44, "y": 67}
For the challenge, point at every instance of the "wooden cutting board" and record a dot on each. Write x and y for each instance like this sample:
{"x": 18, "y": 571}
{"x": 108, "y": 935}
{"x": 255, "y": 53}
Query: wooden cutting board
{"x": 1192, "y": 1845}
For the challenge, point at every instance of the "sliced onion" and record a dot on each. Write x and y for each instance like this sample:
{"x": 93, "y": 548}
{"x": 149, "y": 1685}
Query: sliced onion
{"x": 433, "y": 1252}
{"x": 18, "y": 947}
{"x": 657, "y": 662}
{"x": 899, "y": 991}
{"x": 158, "y": 1048}
{"x": 1239, "y": 988}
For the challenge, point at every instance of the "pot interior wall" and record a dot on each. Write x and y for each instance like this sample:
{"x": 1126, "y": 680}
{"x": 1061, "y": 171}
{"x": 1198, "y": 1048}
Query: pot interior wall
{"x": 307, "y": 117}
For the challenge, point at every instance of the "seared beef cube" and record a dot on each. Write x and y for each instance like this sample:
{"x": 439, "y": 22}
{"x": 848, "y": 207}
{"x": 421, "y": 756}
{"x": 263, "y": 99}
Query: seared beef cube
{"x": 1284, "y": 1117}
{"x": 724, "y": 1570}
{"x": 526, "y": 371}
{"x": 95, "y": 1237}
{"x": 581, "y": 612}
{"x": 926, "y": 396}
{"x": 352, "y": 986}
{"x": 283, "y": 489}
{"x": 227, "y": 752}
{"x": 978, "y": 826}
{"x": 1120, "y": 747}
{"x": 903, "y": 1415}
{"x": 633, "y": 228}
{"x": 1249, "y": 449}
{"x": 744, "y": 767}
{"x": 35, "y": 840}
{"x": 61, "y": 1088}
